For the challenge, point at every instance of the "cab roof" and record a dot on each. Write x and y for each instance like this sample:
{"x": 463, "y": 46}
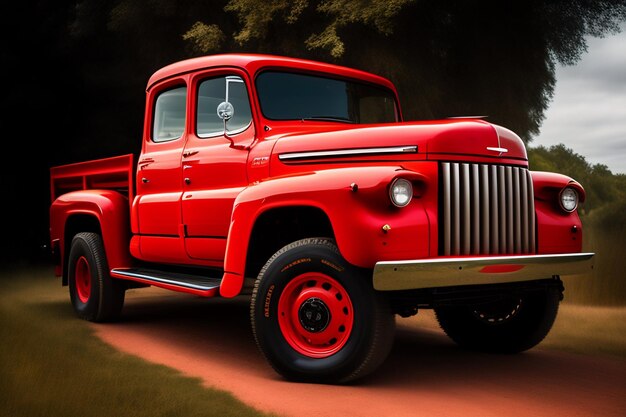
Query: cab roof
{"x": 253, "y": 63}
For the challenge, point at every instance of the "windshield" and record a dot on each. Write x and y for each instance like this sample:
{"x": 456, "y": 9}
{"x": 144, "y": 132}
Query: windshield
{"x": 289, "y": 96}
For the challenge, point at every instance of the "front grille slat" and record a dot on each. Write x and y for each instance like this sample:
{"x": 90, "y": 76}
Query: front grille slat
{"x": 531, "y": 213}
{"x": 466, "y": 197}
{"x": 502, "y": 209}
{"x": 493, "y": 201}
{"x": 486, "y": 209}
{"x": 475, "y": 209}
{"x": 456, "y": 209}
{"x": 524, "y": 207}
{"x": 447, "y": 204}
{"x": 509, "y": 210}
{"x": 516, "y": 211}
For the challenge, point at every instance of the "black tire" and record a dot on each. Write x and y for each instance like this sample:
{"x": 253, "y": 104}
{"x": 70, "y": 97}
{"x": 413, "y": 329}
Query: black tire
{"x": 94, "y": 294}
{"x": 365, "y": 315}
{"x": 511, "y": 325}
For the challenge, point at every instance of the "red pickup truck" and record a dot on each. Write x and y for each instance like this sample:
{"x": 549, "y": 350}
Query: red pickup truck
{"x": 298, "y": 184}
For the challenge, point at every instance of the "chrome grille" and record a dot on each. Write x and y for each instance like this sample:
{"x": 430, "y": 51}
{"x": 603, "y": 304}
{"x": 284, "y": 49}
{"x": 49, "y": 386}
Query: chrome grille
{"x": 486, "y": 209}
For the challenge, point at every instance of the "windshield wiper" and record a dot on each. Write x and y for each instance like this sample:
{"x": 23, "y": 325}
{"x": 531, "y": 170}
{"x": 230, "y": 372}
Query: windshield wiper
{"x": 329, "y": 119}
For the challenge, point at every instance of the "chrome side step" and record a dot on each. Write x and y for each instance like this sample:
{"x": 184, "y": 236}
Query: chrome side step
{"x": 163, "y": 278}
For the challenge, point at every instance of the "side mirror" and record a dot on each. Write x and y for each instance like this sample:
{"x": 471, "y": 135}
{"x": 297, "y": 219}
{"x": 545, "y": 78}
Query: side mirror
{"x": 225, "y": 111}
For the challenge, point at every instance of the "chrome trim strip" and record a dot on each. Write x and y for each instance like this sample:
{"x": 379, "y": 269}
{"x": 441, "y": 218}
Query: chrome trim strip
{"x": 221, "y": 132}
{"x": 123, "y": 273}
{"x": 448, "y": 272}
{"x": 497, "y": 149}
{"x": 484, "y": 209}
{"x": 347, "y": 152}
{"x": 465, "y": 170}
{"x": 447, "y": 209}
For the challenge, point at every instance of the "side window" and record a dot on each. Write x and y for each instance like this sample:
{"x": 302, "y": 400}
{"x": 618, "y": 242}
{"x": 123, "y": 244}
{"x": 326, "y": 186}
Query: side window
{"x": 169, "y": 115}
{"x": 211, "y": 94}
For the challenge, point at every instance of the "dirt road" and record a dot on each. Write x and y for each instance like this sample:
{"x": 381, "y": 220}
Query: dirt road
{"x": 425, "y": 375}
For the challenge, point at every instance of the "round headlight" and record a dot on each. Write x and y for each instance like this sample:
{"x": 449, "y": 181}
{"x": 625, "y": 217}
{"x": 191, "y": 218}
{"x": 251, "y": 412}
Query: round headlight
{"x": 400, "y": 192}
{"x": 568, "y": 199}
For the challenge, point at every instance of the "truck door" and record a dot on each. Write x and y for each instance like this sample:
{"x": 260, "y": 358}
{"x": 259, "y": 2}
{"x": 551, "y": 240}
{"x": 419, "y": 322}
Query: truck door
{"x": 213, "y": 165}
{"x": 159, "y": 179}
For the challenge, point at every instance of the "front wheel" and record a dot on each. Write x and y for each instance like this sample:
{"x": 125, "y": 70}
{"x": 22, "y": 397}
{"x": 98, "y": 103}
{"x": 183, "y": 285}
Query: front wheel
{"x": 94, "y": 294}
{"x": 316, "y": 318}
{"x": 512, "y": 324}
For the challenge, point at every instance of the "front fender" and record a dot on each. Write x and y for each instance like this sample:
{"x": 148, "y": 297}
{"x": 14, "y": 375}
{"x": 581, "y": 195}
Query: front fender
{"x": 356, "y": 212}
{"x": 109, "y": 208}
{"x": 557, "y": 230}
{"x": 547, "y": 184}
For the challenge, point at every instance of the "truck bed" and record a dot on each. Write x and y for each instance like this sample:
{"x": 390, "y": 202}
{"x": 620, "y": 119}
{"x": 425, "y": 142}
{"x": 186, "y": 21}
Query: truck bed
{"x": 114, "y": 173}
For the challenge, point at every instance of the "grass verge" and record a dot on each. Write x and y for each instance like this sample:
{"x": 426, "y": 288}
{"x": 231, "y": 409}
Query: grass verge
{"x": 51, "y": 364}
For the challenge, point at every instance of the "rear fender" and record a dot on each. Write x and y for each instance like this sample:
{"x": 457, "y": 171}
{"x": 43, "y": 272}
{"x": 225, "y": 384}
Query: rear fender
{"x": 108, "y": 208}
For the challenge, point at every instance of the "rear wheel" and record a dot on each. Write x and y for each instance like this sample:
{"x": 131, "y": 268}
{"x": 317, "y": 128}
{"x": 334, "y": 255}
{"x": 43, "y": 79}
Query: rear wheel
{"x": 512, "y": 324}
{"x": 95, "y": 296}
{"x": 317, "y": 318}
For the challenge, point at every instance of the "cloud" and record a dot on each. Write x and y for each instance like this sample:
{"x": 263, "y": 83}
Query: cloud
{"x": 588, "y": 112}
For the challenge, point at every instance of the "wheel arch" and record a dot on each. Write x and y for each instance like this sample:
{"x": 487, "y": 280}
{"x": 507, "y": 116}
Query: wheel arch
{"x": 278, "y": 226}
{"x": 77, "y": 223}
{"x": 100, "y": 211}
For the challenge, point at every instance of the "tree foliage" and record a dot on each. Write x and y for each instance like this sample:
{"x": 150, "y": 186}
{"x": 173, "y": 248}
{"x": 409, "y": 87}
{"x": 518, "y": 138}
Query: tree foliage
{"x": 605, "y": 204}
{"x": 448, "y": 58}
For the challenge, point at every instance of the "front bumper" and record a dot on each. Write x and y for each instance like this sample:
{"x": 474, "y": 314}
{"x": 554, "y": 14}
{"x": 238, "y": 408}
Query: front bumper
{"x": 448, "y": 272}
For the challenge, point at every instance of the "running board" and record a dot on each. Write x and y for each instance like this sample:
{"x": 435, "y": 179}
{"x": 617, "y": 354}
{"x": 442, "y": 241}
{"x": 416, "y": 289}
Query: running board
{"x": 193, "y": 284}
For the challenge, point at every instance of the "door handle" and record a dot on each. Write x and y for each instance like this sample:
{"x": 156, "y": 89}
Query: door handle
{"x": 187, "y": 154}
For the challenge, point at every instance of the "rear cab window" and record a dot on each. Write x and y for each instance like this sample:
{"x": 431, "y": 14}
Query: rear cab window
{"x": 168, "y": 122}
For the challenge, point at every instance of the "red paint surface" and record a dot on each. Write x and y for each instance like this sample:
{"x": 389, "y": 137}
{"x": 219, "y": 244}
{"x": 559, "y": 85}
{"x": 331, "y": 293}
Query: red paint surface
{"x": 207, "y": 220}
{"x": 500, "y": 269}
{"x": 333, "y": 338}
{"x": 83, "y": 279}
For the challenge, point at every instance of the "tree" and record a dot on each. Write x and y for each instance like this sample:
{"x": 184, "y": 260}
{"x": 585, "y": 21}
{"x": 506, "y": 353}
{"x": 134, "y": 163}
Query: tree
{"x": 448, "y": 58}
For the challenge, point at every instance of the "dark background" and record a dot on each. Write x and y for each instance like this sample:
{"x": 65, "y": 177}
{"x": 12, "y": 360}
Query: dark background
{"x": 75, "y": 74}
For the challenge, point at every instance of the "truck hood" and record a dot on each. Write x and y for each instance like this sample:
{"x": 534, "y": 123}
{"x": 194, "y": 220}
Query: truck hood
{"x": 434, "y": 140}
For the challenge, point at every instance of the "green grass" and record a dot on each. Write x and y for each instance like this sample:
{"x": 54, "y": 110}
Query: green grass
{"x": 51, "y": 364}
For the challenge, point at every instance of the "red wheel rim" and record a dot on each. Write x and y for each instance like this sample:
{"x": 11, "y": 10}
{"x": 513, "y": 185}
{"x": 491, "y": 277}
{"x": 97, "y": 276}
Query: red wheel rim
{"x": 315, "y": 315}
{"x": 82, "y": 278}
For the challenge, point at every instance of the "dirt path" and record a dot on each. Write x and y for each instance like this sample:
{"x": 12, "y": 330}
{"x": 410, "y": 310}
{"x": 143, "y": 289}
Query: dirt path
{"x": 425, "y": 375}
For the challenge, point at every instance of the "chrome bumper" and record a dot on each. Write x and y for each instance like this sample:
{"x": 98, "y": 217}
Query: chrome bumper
{"x": 448, "y": 272}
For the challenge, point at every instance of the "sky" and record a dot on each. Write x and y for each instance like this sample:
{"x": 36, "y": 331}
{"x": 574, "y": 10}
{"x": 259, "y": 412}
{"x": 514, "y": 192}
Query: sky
{"x": 588, "y": 110}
